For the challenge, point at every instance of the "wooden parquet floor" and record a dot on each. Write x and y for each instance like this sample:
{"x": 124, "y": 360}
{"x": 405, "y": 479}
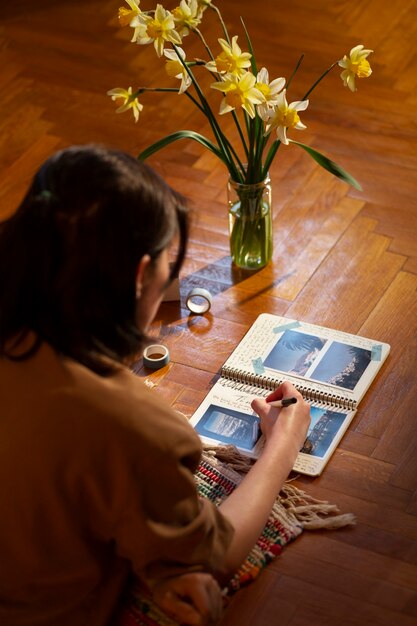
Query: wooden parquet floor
{"x": 342, "y": 258}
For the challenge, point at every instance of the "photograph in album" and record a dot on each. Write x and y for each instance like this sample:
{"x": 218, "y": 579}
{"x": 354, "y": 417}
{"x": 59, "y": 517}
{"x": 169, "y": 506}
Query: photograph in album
{"x": 324, "y": 426}
{"x": 294, "y": 352}
{"x": 311, "y": 357}
{"x": 230, "y": 427}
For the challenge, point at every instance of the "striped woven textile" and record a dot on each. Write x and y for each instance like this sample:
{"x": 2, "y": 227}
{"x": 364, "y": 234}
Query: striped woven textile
{"x": 215, "y": 481}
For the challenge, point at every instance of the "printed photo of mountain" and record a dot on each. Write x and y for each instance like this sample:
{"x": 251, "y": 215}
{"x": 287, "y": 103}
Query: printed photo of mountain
{"x": 294, "y": 352}
{"x": 229, "y": 427}
{"x": 342, "y": 365}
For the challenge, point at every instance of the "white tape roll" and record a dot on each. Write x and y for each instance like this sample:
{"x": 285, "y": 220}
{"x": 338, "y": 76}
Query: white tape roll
{"x": 199, "y": 300}
{"x": 155, "y": 356}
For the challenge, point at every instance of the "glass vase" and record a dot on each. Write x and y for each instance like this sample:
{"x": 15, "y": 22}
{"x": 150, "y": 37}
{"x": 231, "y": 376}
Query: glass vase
{"x": 250, "y": 223}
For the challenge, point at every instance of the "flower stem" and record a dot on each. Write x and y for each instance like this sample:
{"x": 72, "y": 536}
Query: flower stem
{"x": 319, "y": 80}
{"x": 250, "y": 225}
{"x": 200, "y": 35}
{"x": 249, "y": 171}
{"x": 219, "y": 15}
{"x": 141, "y": 90}
{"x": 271, "y": 154}
{"x": 197, "y": 104}
{"x": 242, "y": 137}
{"x": 222, "y": 141}
{"x": 260, "y": 145}
{"x": 289, "y": 81}
{"x": 167, "y": 90}
{"x": 205, "y": 44}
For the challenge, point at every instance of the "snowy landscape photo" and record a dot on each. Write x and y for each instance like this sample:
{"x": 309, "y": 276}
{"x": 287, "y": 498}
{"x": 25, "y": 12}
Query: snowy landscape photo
{"x": 342, "y": 365}
{"x": 294, "y": 352}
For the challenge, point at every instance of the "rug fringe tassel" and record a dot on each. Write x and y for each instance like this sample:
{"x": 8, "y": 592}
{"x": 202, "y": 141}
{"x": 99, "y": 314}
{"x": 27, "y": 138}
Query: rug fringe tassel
{"x": 230, "y": 455}
{"x": 312, "y": 513}
{"x": 309, "y": 512}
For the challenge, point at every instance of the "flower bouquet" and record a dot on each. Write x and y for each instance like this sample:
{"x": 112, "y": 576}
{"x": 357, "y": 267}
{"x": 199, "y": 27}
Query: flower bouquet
{"x": 258, "y": 105}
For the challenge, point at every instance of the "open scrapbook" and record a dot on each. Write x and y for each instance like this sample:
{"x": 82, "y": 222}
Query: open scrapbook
{"x": 332, "y": 370}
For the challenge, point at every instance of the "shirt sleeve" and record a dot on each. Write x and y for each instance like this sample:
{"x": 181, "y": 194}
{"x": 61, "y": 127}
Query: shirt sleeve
{"x": 181, "y": 531}
{"x": 142, "y": 495}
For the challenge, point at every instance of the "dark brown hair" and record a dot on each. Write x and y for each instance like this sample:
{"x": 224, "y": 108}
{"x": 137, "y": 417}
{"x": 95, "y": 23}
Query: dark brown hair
{"x": 69, "y": 255}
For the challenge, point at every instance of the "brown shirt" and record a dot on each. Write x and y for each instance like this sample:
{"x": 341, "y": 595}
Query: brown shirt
{"x": 95, "y": 477}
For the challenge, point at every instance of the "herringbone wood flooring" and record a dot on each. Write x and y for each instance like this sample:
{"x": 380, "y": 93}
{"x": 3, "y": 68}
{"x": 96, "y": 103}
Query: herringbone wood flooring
{"x": 343, "y": 258}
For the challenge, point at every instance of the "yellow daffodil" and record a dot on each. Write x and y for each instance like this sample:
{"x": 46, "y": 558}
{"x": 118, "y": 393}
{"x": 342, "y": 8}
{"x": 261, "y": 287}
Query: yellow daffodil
{"x": 176, "y": 69}
{"x": 266, "y": 111}
{"x": 284, "y": 116}
{"x": 355, "y": 65}
{"x": 128, "y": 101}
{"x": 160, "y": 29}
{"x": 270, "y": 90}
{"x": 203, "y": 5}
{"x": 127, "y": 15}
{"x": 240, "y": 92}
{"x": 186, "y": 16}
{"x": 231, "y": 61}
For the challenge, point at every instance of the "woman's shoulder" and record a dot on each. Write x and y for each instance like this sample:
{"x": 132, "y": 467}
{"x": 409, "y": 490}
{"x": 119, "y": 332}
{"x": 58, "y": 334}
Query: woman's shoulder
{"x": 71, "y": 402}
{"x": 122, "y": 402}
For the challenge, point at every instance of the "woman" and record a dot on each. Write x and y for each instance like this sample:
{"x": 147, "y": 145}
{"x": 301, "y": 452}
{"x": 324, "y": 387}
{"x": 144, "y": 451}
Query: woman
{"x": 96, "y": 471}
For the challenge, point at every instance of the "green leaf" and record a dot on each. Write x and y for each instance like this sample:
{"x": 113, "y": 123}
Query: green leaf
{"x": 181, "y": 134}
{"x": 225, "y": 149}
{"x": 300, "y": 60}
{"x": 252, "y": 60}
{"x": 329, "y": 165}
{"x": 270, "y": 157}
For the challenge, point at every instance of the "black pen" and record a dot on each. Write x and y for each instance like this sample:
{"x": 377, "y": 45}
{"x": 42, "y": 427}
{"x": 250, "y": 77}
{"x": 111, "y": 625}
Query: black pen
{"x": 282, "y": 403}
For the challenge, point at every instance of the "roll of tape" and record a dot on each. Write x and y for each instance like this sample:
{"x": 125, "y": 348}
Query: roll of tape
{"x": 155, "y": 356}
{"x": 199, "y": 300}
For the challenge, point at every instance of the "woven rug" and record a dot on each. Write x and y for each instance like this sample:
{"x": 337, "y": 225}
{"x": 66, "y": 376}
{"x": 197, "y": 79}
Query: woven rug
{"x": 293, "y": 512}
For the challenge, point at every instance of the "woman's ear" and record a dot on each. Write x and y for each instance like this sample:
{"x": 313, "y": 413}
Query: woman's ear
{"x": 141, "y": 273}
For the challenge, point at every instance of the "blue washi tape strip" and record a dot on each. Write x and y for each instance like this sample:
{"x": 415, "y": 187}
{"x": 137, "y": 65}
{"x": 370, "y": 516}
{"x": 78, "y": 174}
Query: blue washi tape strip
{"x": 376, "y": 353}
{"x": 289, "y": 326}
{"x": 258, "y": 366}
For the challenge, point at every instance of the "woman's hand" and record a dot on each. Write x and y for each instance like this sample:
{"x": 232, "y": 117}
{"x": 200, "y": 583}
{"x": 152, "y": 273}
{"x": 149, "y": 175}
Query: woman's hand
{"x": 193, "y": 599}
{"x": 289, "y": 424}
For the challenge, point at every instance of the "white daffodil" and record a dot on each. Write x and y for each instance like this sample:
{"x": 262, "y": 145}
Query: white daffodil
{"x": 231, "y": 61}
{"x": 284, "y": 116}
{"x": 270, "y": 90}
{"x": 140, "y": 34}
{"x": 176, "y": 69}
{"x": 240, "y": 92}
{"x": 129, "y": 102}
{"x": 159, "y": 29}
{"x": 355, "y": 65}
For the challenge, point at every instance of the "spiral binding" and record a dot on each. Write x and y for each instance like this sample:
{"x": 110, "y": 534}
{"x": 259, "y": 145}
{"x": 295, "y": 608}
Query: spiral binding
{"x": 269, "y": 383}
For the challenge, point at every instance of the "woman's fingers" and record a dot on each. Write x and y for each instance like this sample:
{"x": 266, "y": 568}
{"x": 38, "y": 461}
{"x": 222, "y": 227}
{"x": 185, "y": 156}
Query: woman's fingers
{"x": 194, "y": 599}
